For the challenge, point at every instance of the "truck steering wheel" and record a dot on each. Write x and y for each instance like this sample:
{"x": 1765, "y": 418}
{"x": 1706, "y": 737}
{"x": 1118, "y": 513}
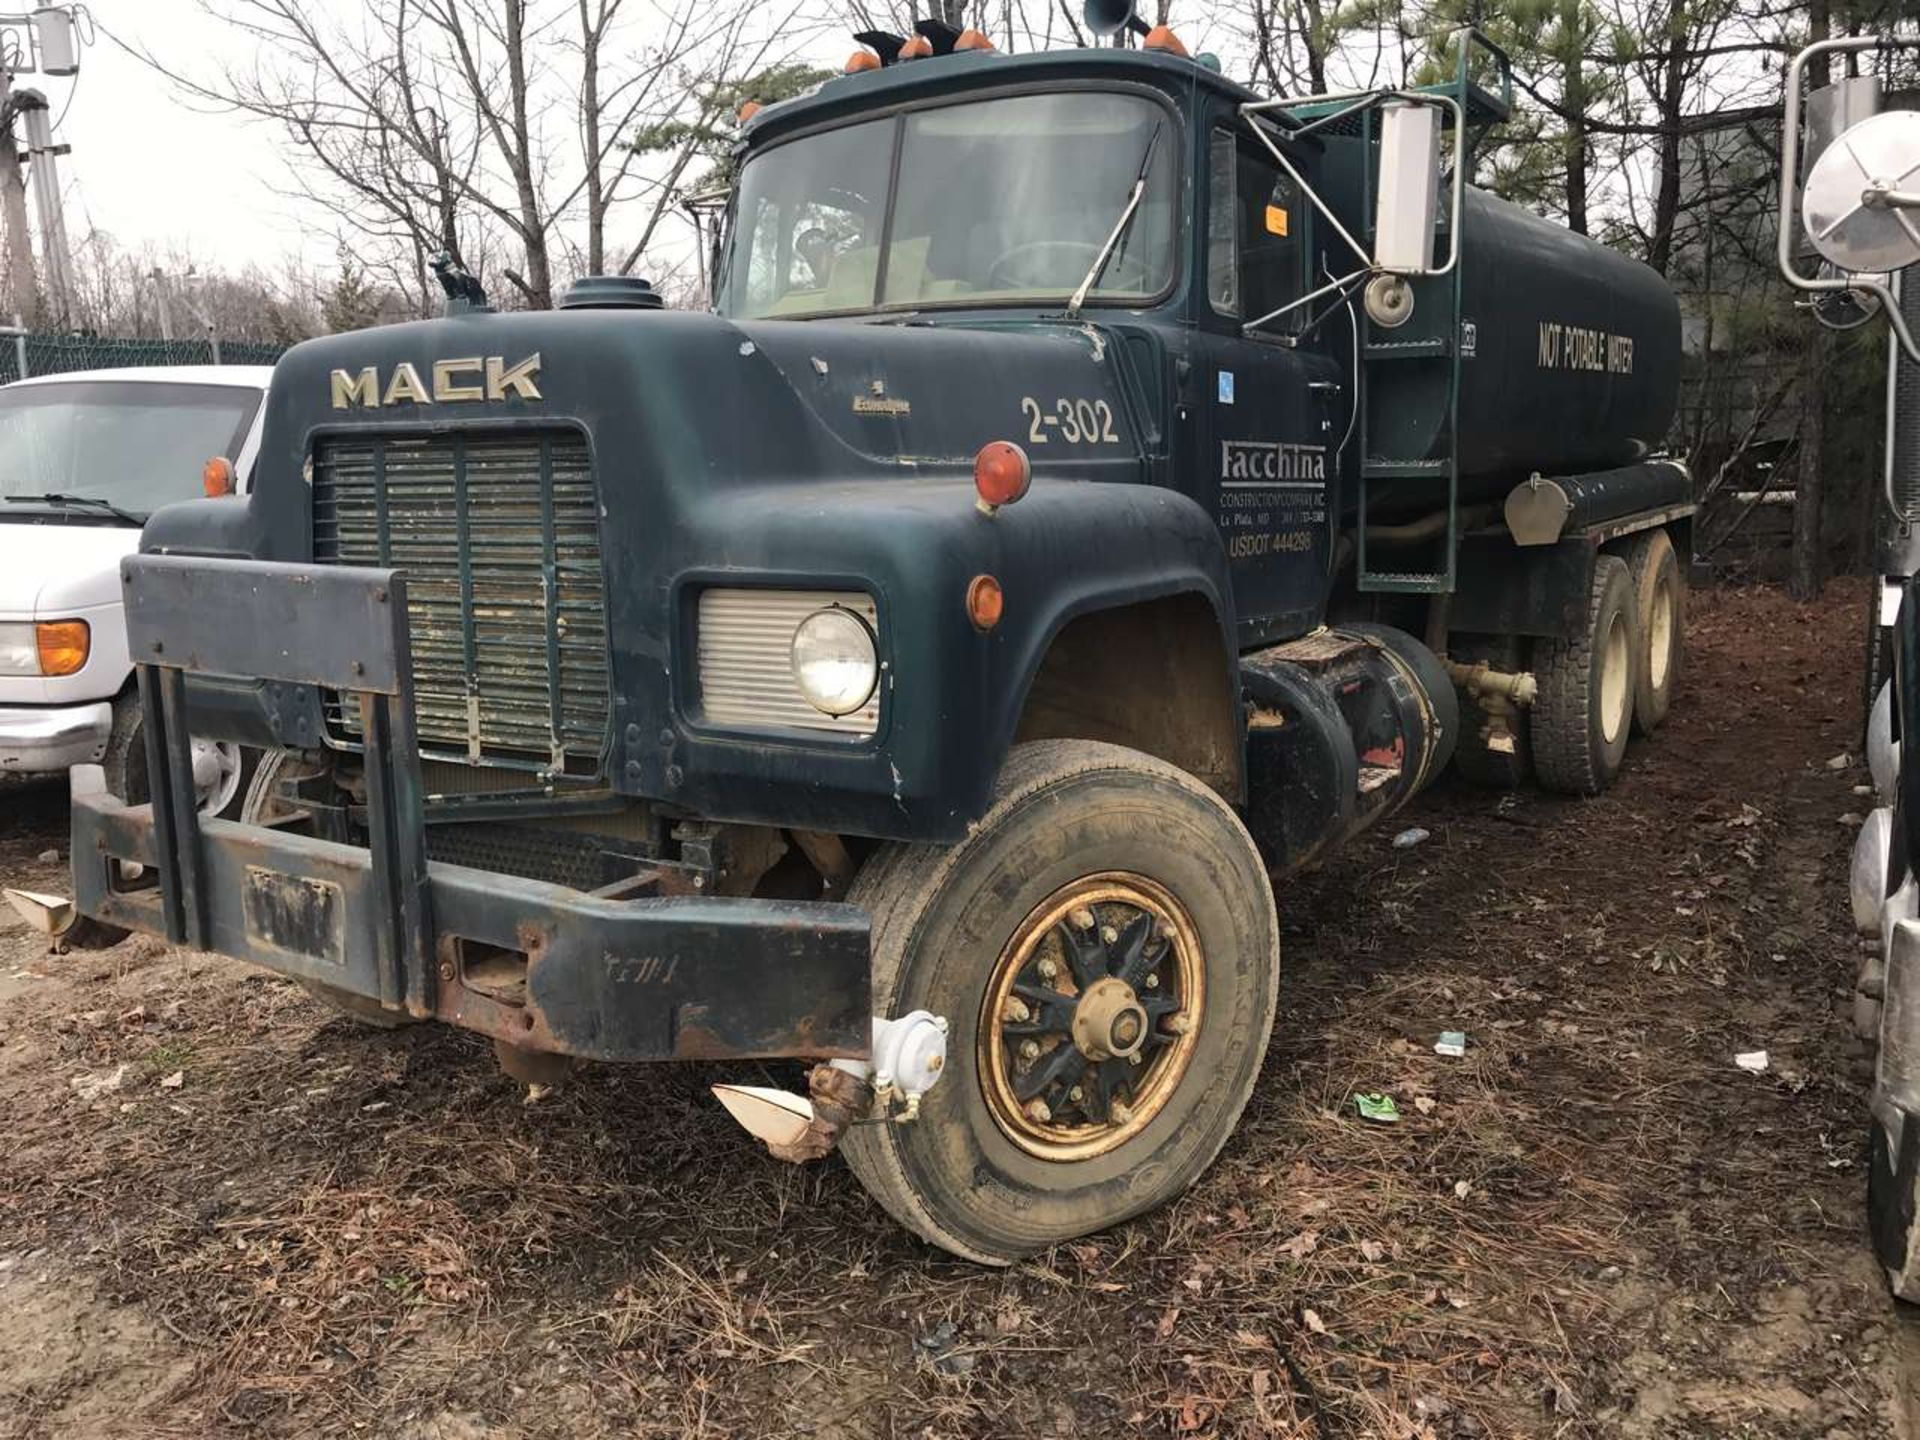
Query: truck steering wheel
{"x": 1004, "y": 273}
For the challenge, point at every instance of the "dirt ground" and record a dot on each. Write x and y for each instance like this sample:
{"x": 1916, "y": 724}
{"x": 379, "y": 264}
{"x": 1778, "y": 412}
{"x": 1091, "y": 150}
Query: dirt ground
{"x": 225, "y": 1212}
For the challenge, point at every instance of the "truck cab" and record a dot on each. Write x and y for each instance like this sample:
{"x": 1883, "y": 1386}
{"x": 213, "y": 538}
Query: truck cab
{"x": 1096, "y": 492}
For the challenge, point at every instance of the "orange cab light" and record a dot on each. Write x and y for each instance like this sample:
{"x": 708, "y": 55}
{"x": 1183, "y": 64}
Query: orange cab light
{"x": 63, "y": 646}
{"x": 972, "y": 40}
{"x": 216, "y": 476}
{"x": 748, "y": 110}
{"x": 1001, "y": 473}
{"x": 985, "y": 602}
{"x": 862, "y": 60}
{"x": 1160, "y": 37}
{"x": 917, "y": 48}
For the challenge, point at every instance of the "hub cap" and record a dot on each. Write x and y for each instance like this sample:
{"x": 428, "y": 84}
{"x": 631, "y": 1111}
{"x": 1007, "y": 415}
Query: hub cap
{"x": 1660, "y": 638}
{"x": 1616, "y": 681}
{"x": 1091, "y": 1016}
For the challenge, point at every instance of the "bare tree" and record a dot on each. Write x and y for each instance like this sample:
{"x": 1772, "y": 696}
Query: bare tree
{"x": 429, "y": 125}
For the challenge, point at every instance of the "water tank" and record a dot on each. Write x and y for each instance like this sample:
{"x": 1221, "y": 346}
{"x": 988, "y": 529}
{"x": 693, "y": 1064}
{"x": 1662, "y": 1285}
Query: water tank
{"x": 1569, "y": 356}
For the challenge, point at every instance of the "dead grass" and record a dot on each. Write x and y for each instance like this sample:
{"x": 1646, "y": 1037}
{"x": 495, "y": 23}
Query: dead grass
{"x": 345, "y": 1228}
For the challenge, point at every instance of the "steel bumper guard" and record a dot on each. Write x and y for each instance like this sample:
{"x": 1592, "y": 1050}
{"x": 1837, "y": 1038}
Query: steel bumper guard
{"x": 604, "y": 979}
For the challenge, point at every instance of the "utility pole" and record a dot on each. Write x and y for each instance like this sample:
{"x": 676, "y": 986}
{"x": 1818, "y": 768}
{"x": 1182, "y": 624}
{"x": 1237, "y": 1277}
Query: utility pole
{"x": 159, "y": 278}
{"x": 24, "y": 291}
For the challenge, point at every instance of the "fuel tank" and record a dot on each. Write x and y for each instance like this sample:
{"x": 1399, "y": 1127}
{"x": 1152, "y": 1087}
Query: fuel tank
{"x": 1344, "y": 727}
{"x": 1568, "y": 352}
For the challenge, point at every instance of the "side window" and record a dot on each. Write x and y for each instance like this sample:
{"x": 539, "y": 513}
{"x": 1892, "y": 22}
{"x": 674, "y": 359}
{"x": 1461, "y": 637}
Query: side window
{"x": 1271, "y": 217}
{"x": 1223, "y": 225}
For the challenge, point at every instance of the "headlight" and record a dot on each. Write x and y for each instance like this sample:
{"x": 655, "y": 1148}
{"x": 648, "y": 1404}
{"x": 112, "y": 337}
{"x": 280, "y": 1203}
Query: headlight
{"x": 834, "y": 661}
{"x": 19, "y": 652}
{"x": 48, "y": 647}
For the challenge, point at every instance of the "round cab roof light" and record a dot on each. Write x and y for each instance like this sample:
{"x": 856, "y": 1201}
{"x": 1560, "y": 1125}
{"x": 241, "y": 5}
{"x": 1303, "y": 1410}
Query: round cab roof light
{"x": 916, "y": 48}
{"x": 861, "y": 60}
{"x": 972, "y": 40}
{"x": 1162, "y": 38}
{"x": 748, "y": 110}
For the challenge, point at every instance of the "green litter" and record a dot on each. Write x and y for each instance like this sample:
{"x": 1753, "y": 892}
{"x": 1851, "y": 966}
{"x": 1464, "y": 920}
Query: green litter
{"x": 1377, "y": 1107}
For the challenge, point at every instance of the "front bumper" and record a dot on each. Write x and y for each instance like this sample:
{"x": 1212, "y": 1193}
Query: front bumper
{"x": 47, "y": 739}
{"x": 677, "y": 978}
{"x": 537, "y": 966}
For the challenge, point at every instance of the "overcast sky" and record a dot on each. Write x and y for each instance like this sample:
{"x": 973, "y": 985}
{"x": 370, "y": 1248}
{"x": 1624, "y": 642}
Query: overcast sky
{"x": 146, "y": 167}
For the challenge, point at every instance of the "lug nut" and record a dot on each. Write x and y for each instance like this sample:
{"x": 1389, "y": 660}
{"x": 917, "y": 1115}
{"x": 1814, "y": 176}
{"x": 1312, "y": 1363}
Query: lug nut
{"x": 1108, "y": 934}
{"x": 1048, "y": 969}
{"x": 1016, "y": 1010}
{"x": 1029, "y": 1049}
{"x": 1039, "y": 1113}
{"x": 1135, "y": 1058}
{"x": 1119, "y": 1112}
{"x": 1081, "y": 919}
{"x": 1074, "y": 1094}
{"x": 1181, "y": 1024}
{"x": 1153, "y": 982}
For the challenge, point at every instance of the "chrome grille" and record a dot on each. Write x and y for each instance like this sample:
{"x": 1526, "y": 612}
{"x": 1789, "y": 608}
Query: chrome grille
{"x": 499, "y": 538}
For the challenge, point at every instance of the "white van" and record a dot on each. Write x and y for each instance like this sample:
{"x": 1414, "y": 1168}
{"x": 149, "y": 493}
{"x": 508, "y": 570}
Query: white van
{"x": 85, "y": 457}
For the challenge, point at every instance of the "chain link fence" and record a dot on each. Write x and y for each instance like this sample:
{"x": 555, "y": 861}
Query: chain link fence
{"x": 23, "y": 354}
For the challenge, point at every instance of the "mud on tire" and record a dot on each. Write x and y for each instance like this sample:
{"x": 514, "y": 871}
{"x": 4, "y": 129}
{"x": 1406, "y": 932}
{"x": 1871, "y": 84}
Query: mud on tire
{"x": 1660, "y": 600}
{"x": 949, "y": 926}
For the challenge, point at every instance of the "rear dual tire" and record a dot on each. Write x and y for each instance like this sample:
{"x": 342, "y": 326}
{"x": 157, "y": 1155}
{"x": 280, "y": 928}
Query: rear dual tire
{"x": 1583, "y": 715}
{"x": 1086, "y": 849}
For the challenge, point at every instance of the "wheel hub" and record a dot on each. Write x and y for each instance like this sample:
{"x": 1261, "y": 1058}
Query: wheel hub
{"x": 1091, "y": 1016}
{"x": 1109, "y": 1021}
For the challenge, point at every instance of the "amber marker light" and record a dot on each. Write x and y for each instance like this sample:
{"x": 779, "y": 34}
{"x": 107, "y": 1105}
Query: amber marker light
{"x": 1161, "y": 38}
{"x": 917, "y": 48}
{"x": 985, "y": 602}
{"x": 747, "y": 111}
{"x": 216, "y": 476}
{"x": 862, "y": 60}
{"x": 63, "y": 646}
{"x": 972, "y": 40}
{"x": 1001, "y": 473}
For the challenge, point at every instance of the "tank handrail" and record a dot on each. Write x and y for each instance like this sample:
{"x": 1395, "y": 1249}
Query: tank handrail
{"x": 1466, "y": 37}
{"x": 1790, "y": 185}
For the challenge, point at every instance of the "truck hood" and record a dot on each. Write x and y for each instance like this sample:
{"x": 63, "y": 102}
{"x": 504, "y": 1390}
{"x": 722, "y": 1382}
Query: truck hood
{"x": 51, "y": 566}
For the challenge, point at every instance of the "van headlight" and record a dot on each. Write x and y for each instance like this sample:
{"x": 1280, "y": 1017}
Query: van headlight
{"x": 835, "y": 663}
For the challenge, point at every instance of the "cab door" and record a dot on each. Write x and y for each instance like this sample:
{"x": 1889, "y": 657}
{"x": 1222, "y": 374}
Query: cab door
{"x": 1272, "y": 408}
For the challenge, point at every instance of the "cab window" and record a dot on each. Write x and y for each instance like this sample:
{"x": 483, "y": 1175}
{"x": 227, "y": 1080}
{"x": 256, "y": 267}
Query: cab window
{"x": 1254, "y": 220}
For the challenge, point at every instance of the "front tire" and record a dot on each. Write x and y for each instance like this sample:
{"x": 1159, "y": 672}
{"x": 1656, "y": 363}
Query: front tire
{"x": 1108, "y": 906}
{"x": 223, "y": 770}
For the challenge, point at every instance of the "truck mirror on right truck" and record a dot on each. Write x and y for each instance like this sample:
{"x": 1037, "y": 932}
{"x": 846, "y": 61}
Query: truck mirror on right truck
{"x": 1098, "y": 491}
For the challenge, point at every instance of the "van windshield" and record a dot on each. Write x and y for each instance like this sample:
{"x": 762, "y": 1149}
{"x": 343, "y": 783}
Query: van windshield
{"x": 1003, "y": 201}
{"x": 136, "y": 444}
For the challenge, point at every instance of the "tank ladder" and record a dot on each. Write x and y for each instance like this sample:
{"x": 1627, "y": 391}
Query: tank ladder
{"x": 1424, "y": 354}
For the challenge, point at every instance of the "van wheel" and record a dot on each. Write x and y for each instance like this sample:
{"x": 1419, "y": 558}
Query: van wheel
{"x": 265, "y": 805}
{"x": 1477, "y": 763}
{"x": 222, "y": 769}
{"x": 1660, "y": 597}
{"x": 1584, "y": 711}
{"x": 1105, "y": 949}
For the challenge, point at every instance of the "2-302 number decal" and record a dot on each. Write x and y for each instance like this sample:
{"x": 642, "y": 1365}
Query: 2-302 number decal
{"x": 1080, "y": 422}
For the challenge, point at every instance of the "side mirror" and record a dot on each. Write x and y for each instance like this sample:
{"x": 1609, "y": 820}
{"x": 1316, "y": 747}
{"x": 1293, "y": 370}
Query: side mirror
{"x": 1407, "y": 201}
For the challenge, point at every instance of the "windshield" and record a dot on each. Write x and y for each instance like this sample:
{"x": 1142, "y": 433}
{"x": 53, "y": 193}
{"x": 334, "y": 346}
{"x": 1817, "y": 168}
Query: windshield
{"x": 998, "y": 201}
{"x": 138, "y": 444}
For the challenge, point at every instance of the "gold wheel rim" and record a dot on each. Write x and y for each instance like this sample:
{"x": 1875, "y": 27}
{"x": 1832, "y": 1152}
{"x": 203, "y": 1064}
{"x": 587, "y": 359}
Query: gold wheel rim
{"x": 1062, "y": 1002}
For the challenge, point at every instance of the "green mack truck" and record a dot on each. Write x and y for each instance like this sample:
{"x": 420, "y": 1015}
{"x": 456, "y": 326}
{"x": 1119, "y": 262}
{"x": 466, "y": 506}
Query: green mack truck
{"x": 1097, "y": 491}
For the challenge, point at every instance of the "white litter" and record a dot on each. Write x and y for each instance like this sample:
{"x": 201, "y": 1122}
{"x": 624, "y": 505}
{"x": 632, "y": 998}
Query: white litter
{"x": 1407, "y": 839}
{"x": 1754, "y": 1060}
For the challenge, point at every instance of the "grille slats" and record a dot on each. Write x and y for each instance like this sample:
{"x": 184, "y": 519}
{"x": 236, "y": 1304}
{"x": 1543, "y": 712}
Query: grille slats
{"x": 746, "y": 672}
{"x": 513, "y": 623}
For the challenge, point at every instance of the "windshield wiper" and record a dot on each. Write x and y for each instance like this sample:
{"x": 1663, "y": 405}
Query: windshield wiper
{"x": 1120, "y": 227}
{"x": 78, "y": 502}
